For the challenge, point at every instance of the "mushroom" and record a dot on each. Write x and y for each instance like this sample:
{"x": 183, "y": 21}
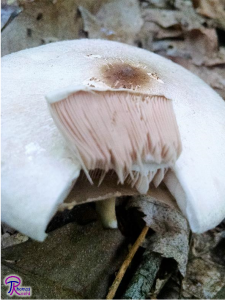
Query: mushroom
{"x": 118, "y": 108}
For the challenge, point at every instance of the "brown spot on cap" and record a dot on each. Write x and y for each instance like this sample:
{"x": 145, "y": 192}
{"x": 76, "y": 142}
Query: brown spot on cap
{"x": 124, "y": 75}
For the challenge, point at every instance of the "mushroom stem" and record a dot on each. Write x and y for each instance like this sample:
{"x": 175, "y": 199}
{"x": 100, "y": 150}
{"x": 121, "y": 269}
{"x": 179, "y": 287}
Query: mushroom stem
{"x": 107, "y": 212}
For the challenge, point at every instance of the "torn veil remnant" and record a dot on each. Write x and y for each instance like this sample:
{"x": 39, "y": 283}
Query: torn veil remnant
{"x": 119, "y": 108}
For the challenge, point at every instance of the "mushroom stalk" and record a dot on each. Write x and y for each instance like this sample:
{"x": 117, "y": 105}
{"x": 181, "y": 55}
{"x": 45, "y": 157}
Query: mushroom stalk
{"x": 107, "y": 212}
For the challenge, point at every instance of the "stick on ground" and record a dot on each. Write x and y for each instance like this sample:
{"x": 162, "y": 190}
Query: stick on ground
{"x": 126, "y": 263}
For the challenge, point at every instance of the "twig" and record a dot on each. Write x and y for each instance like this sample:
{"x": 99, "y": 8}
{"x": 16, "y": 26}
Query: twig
{"x": 123, "y": 268}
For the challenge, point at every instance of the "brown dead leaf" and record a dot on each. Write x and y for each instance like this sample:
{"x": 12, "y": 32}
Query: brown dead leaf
{"x": 115, "y": 20}
{"x": 171, "y": 238}
{"x": 44, "y": 21}
{"x": 204, "y": 243}
{"x": 93, "y": 26}
{"x": 160, "y": 283}
{"x": 170, "y": 291}
{"x": 151, "y": 33}
{"x": 183, "y": 17}
{"x": 158, "y": 4}
{"x": 218, "y": 60}
{"x": 11, "y": 240}
{"x": 213, "y": 9}
{"x": 202, "y": 45}
{"x": 8, "y": 13}
{"x": 168, "y": 33}
{"x": 204, "y": 279}
{"x": 180, "y": 32}
{"x": 163, "y": 18}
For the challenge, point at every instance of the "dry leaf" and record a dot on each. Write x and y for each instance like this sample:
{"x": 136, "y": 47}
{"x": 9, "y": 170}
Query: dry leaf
{"x": 185, "y": 18}
{"x": 202, "y": 45}
{"x": 8, "y": 13}
{"x": 157, "y": 3}
{"x": 44, "y": 21}
{"x": 213, "y": 9}
{"x": 171, "y": 238}
{"x": 160, "y": 283}
{"x": 151, "y": 32}
{"x": 163, "y": 18}
{"x": 204, "y": 243}
{"x": 11, "y": 240}
{"x": 204, "y": 279}
{"x": 116, "y": 20}
{"x": 163, "y": 27}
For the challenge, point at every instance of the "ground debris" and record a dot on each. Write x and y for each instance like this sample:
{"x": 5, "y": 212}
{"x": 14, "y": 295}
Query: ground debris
{"x": 213, "y": 9}
{"x": 204, "y": 279}
{"x": 171, "y": 231}
{"x": 180, "y": 32}
{"x": 187, "y": 32}
{"x": 77, "y": 260}
{"x": 11, "y": 237}
{"x": 116, "y": 20}
{"x": 9, "y": 12}
{"x": 144, "y": 277}
{"x": 44, "y": 21}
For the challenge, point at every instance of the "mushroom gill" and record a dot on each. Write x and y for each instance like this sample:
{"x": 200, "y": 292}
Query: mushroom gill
{"x": 136, "y": 135}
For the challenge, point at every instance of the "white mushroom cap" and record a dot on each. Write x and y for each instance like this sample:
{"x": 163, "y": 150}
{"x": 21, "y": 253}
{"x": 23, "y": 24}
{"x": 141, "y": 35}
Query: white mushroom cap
{"x": 39, "y": 170}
